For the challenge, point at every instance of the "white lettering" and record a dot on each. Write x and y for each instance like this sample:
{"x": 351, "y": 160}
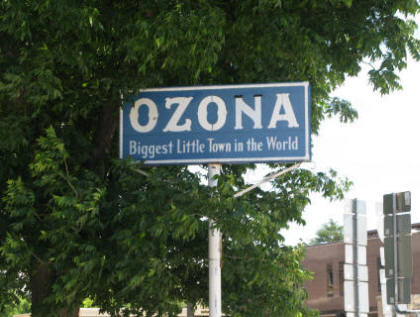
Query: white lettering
{"x": 153, "y": 115}
{"x": 203, "y": 111}
{"x": 219, "y": 147}
{"x": 133, "y": 148}
{"x": 253, "y": 145}
{"x": 283, "y": 101}
{"x": 254, "y": 114}
{"x": 172, "y": 125}
{"x": 282, "y": 111}
{"x": 190, "y": 146}
{"x": 274, "y": 144}
{"x": 149, "y": 151}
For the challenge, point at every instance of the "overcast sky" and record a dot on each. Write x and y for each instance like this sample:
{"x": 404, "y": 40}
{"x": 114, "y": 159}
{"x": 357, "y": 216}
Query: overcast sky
{"x": 379, "y": 152}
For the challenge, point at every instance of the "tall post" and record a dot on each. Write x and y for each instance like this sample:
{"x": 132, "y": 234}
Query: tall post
{"x": 395, "y": 244}
{"x": 356, "y": 264}
{"x": 215, "y": 243}
{"x": 398, "y": 254}
{"x": 356, "y": 295}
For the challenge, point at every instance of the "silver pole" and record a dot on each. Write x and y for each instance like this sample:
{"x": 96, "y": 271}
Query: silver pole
{"x": 356, "y": 257}
{"x": 394, "y": 227}
{"x": 215, "y": 243}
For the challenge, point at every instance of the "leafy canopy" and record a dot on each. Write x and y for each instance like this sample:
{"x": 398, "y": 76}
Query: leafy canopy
{"x": 76, "y": 222}
{"x": 329, "y": 232}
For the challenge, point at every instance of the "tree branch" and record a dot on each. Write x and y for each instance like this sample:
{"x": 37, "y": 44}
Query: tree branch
{"x": 67, "y": 178}
{"x": 104, "y": 134}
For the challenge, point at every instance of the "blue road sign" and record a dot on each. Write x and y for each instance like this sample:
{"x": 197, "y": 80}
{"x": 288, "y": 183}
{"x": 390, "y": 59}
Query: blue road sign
{"x": 219, "y": 124}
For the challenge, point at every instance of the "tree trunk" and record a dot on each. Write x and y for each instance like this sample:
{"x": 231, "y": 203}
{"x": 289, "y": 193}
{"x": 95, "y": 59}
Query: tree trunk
{"x": 104, "y": 134}
{"x": 190, "y": 310}
{"x": 42, "y": 278}
{"x": 69, "y": 313}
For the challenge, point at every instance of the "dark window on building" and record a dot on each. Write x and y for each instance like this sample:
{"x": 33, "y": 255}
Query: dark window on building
{"x": 341, "y": 278}
{"x": 330, "y": 280}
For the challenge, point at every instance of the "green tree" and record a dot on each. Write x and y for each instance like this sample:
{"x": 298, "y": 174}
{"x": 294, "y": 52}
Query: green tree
{"x": 329, "y": 232}
{"x": 20, "y": 305}
{"x": 77, "y": 222}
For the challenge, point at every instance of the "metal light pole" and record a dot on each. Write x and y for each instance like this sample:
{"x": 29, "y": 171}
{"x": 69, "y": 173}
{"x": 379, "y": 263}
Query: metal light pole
{"x": 215, "y": 243}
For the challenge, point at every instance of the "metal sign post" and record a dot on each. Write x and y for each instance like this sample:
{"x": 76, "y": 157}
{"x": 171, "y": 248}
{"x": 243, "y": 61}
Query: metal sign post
{"x": 356, "y": 295}
{"x": 215, "y": 245}
{"x": 398, "y": 255}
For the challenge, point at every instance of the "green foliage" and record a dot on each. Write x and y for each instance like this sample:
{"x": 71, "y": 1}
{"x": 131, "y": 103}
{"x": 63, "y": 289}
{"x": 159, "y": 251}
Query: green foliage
{"x": 329, "y": 232}
{"x": 20, "y": 305}
{"x": 87, "y": 303}
{"x": 126, "y": 240}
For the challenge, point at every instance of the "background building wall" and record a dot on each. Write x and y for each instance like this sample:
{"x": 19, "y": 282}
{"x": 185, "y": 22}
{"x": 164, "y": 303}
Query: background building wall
{"x": 320, "y": 257}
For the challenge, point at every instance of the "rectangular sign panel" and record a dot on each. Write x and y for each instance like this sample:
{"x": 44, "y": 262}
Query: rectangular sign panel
{"x": 403, "y": 224}
{"x": 404, "y": 291}
{"x": 220, "y": 124}
{"x": 404, "y": 256}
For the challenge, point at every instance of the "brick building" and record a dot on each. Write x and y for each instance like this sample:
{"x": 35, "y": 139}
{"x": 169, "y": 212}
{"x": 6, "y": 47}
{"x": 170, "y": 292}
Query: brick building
{"x": 326, "y": 290}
